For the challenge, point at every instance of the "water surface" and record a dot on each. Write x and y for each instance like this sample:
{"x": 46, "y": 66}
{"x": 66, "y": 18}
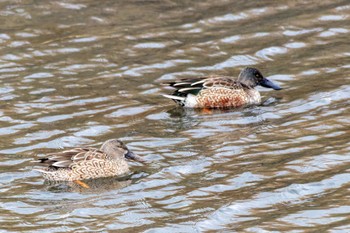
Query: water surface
{"x": 76, "y": 73}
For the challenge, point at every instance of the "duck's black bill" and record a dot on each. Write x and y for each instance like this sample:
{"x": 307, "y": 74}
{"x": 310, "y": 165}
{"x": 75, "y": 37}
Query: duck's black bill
{"x": 131, "y": 155}
{"x": 267, "y": 83}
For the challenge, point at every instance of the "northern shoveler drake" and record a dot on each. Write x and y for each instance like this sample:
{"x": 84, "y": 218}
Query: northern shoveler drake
{"x": 88, "y": 163}
{"x": 220, "y": 91}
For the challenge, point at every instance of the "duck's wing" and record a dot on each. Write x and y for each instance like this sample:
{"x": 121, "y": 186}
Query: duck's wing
{"x": 195, "y": 85}
{"x": 67, "y": 158}
{"x": 223, "y": 82}
{"x": 187, "y": 85}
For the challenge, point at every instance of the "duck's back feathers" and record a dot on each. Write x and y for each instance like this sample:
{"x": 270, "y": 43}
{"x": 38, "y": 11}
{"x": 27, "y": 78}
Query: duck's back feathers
{"x": 67, "y": 158}
{"x": 194, "y": 85}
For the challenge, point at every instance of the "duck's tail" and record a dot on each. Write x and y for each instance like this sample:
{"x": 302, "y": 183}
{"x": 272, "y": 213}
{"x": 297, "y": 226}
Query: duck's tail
{"x": 180, "y": 100}
{"x": 41, "y": 170}
{"x": 175, "y": 98}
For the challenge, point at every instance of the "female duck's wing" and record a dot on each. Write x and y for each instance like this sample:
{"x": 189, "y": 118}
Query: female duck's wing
{"x": 67, "y": 158}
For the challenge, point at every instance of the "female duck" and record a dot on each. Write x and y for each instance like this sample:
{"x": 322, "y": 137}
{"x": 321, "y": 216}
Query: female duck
{"x": 220, "y": 91}
{"x": 88, "y": 163}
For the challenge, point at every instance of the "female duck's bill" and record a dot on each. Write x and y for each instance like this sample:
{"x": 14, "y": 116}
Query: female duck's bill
{"x": 132, "y": 156}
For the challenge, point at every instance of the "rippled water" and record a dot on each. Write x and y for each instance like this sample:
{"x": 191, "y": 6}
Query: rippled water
{"x": 77, "y": 73}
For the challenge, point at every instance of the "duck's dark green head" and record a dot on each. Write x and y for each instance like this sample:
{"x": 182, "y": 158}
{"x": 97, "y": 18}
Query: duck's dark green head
{"x": 253, "y": 77}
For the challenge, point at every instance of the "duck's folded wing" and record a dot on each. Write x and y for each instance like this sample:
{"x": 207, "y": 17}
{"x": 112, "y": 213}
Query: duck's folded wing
{"x": 223, "y": 82}
{"x": 195, "y": 85}
{"x": 67, "y": 158}
{"x": 191, "y": 85}
{"x": 184, "y": 82}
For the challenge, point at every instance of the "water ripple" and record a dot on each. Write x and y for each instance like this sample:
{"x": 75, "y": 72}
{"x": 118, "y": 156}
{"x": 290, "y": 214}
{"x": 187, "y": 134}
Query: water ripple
{"x": 76, "y": 74}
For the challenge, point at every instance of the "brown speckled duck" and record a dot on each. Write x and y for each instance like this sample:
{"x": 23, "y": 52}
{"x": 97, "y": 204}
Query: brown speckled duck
{"x": 220, "y": 91}
{"x": 88, "y": 163}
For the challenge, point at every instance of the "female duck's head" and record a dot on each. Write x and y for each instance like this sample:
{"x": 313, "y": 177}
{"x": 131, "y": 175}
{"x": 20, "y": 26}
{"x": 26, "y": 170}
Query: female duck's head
{"x": 252, "y": 77}
{"x": 117, "y": 150}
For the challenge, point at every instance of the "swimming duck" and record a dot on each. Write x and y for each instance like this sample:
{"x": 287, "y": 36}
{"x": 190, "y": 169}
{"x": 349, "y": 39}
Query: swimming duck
{"x": 88, "y": 163}
{"x": 220, "y": 91}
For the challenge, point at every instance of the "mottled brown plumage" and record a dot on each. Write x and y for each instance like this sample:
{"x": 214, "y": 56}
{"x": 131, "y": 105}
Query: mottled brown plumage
{"x": 88, "y": 163}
